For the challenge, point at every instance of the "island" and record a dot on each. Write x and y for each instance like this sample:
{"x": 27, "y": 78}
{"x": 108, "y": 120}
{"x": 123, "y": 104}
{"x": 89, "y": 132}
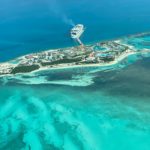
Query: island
{"x": 97, "y": 54}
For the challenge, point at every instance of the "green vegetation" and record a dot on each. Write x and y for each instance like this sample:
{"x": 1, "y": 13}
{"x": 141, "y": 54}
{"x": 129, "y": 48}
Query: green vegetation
{"x": 62, "y": 61}
{"x": 24, "y": 69}
{"x": 108, "y": 59}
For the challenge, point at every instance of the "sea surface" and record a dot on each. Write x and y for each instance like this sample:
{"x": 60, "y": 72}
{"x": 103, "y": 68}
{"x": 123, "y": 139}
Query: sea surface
{"x": 33, "y": 25}
{"x": 96, "y": 108}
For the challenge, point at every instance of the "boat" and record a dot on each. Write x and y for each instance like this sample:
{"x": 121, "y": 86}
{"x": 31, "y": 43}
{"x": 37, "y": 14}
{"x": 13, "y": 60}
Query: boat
{"x": 77, "y": 31}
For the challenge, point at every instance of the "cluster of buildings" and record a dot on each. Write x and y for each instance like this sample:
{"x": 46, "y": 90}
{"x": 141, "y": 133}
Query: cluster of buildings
{"x": 53, "y": 55}
{"x": 108, "y": 51}
{"x": 6, "y": 68}
{"x": 38, "y": 58}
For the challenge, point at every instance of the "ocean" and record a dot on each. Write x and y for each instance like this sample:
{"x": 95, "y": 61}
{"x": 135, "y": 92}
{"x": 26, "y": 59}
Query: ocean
{"x": 88, "y": 108}
{"x": 35, "y": 25}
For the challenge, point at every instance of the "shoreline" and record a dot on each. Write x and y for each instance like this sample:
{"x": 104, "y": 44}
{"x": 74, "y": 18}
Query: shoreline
{"x": 62, "y": 66}
{"x": 59, "y": 67}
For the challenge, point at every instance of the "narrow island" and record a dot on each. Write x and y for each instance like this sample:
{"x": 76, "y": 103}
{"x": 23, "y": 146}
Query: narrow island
{"x": 97, "y": 54}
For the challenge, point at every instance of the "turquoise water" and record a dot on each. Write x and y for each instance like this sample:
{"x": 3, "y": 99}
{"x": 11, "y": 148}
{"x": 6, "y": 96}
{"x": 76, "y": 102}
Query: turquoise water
{"x": 96, "y": 108}
{"x": 138, "y": 42}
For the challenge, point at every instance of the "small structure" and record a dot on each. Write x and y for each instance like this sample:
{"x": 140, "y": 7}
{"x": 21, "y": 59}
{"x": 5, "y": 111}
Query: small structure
{"x": 76, "y": 32}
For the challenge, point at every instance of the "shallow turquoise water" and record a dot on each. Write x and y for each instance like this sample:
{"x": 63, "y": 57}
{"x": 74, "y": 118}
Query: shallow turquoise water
{"x": 139, "y": 43}
{"x": 84, "y": 108}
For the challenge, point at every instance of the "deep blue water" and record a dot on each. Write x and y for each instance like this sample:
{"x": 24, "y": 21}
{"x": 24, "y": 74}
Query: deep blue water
{"x": 34, "y": 25}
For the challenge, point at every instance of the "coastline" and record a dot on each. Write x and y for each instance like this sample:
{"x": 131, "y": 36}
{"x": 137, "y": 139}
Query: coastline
{"x": 69, "y": 66}
{"x": 61, "y": 66}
